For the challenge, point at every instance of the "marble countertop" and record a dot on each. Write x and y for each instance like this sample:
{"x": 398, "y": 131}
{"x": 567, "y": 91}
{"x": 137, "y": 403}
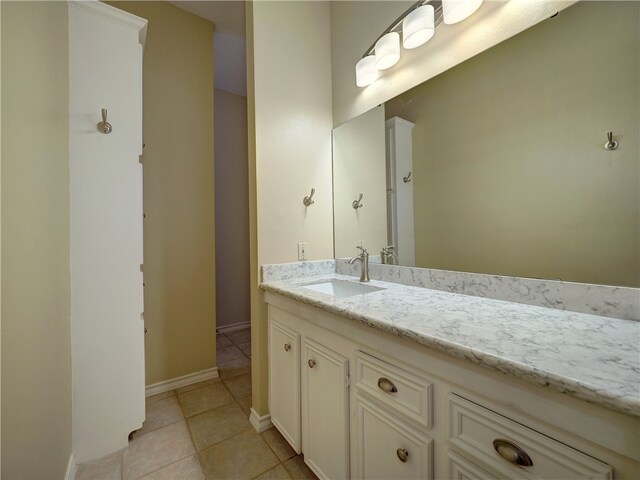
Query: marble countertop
{"x": 593, "y": 358}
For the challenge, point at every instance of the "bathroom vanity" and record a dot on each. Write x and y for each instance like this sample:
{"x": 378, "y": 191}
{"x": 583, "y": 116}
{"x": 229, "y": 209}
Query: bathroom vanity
{"x": 382, "y": 380}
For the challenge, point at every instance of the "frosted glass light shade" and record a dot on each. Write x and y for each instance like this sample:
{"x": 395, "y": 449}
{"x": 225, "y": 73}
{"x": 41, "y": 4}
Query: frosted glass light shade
{"x": 366, "y": 71}
{"x": 387, "y": 51}
{"x": 418, "y": 27}
{"x": 454, "y": 11}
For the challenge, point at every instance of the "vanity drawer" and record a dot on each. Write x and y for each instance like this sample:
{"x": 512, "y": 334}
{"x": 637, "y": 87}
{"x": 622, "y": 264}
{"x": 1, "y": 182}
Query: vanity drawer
{"x": 462, "y": 469}
{"x": 389, "y": 448}
{"x": 407, "y": 393}
{"x": 475, "y": 430}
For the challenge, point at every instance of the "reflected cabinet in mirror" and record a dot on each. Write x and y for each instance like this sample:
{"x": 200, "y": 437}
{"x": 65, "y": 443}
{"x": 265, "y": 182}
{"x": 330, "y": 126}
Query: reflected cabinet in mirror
{"x": 499, "y": 164}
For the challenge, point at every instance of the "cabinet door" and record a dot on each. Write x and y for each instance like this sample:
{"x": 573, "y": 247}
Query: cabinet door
{"x": 389, "y": 448}
{"x": 325, "y": 411}
{"x": 284, "y": 381}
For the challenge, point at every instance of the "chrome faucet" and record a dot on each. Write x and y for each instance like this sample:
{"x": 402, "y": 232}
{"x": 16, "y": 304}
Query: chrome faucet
{"x": 387, "y": 256}
{"x": 364, "y": 260}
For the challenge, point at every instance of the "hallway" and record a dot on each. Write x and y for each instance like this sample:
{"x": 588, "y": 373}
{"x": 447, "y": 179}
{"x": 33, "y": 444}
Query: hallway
{"x": 202, "y": 431}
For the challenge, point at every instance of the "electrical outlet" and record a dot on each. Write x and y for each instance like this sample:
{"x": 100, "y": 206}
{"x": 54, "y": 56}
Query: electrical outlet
{"x": 302, "y": 251}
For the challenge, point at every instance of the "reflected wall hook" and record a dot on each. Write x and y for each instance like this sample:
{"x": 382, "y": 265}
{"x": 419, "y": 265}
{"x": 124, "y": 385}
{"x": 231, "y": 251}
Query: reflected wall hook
{"x": 356, "y": 203}
{"x": 309, "y": 199}
{"x": 407, "y": 179}
{"x": 611, "y": 143}
{"x": 104, "y": 126}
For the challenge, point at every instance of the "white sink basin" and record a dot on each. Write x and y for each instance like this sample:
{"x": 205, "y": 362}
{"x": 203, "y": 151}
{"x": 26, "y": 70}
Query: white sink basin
{"x": 341, "y": 288}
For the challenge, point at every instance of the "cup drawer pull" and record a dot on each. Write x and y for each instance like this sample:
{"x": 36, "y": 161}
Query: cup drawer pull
{"x": 512, "y": 453}
{"x": 386, "y": 385}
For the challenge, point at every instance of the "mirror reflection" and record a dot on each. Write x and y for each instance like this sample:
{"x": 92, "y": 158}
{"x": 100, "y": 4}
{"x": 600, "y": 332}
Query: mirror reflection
{"x": 499, "y": 165}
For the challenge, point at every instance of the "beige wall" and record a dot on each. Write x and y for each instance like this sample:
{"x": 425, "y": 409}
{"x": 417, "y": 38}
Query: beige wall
{"x": 293, "y": 128}
{"x": 36, "y": 359}
{"x": 356, "y": 25}
{"x": 290, "y": 117}
{"x": 511, "y": 176}
{"x": 232, "y": 209}
{"x": 359, "y": 167}
{"x": 179, "y": 237}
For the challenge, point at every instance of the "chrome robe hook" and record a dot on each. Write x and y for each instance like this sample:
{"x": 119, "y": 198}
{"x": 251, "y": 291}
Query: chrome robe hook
{"x": 104, "y": 126}
{"x": 309, "y": 199}
{"x": 357, "y": 203}
{"x": 611, "y": 143}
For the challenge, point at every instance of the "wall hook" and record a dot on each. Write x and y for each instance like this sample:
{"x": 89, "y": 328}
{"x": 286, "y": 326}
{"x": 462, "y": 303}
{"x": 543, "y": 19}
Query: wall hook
{"x": 611, "y": 143}
{"x": 407, "y": 179}
{"x": 356, "y": 203}
{"x": 309, "y": 200}
{"x": 104, "y": 126}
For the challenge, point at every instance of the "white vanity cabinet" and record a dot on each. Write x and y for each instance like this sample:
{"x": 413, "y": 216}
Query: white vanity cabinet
{"x": 325, "y": 410}
{"x": 373, "y": 405}
{"x": 309, "y": 393}
{"x": 284, "y": 384}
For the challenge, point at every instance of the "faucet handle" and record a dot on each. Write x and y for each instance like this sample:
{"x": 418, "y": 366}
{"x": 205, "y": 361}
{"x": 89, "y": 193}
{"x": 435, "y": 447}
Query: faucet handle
{"x": 389, "y": 248}
{"x": 362, "y": 249}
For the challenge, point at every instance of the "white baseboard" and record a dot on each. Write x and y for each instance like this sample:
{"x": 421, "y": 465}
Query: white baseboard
{"x": 260, "y": 423}
{"x": 71, "y": 468}
{"x": 182, "y": 381}
{"x": 233, "y": 327}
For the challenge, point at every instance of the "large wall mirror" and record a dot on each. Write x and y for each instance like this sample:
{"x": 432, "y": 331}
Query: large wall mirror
{"x": 498, "y": 165}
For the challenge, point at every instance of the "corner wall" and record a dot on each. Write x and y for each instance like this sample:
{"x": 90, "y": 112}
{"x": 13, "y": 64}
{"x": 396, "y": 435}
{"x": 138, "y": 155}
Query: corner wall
{"x": 179, "y": 236}
{"x": 36, "y": 337}
{"x": 232, "y": 209}
{"x": 290, "y": 121}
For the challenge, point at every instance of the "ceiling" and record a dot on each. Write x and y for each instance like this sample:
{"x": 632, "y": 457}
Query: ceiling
{"x": 227, "y": 16}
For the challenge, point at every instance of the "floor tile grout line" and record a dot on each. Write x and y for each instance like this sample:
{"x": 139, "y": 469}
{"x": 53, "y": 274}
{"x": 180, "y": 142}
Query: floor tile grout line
{"x": 222, "y": 441}
{"x": 148, "y": 473}
{"x": 234, "y": 343}
{"x": 280, "y": 462}
{"x": 234, "y": 400}
{"x": 161, "y": 426}
{"x": 174, "y": 393}
{"x": 195, "y": 447}
{"x": 237, "y": 345}
{"x": 165, "y": 466}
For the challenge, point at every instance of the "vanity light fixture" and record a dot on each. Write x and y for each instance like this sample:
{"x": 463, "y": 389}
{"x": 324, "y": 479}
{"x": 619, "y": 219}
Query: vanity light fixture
{"x": 387, "y": 50}
{"x": 366, "y": 71}
{"x": 418, "y": 25}
{"x": 454, "y": 11}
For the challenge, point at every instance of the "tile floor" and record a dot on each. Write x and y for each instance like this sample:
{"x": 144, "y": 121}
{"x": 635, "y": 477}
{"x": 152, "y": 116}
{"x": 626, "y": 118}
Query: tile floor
{"x": 202, "y": 431}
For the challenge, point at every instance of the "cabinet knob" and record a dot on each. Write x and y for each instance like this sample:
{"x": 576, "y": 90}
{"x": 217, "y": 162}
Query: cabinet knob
{"x": 512, "y": 453}
{"x": 287, "y": 347}
{"x": 311, "y": 363}
{"x": 403, "y": 455}
{"x": 386, "y": 385}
